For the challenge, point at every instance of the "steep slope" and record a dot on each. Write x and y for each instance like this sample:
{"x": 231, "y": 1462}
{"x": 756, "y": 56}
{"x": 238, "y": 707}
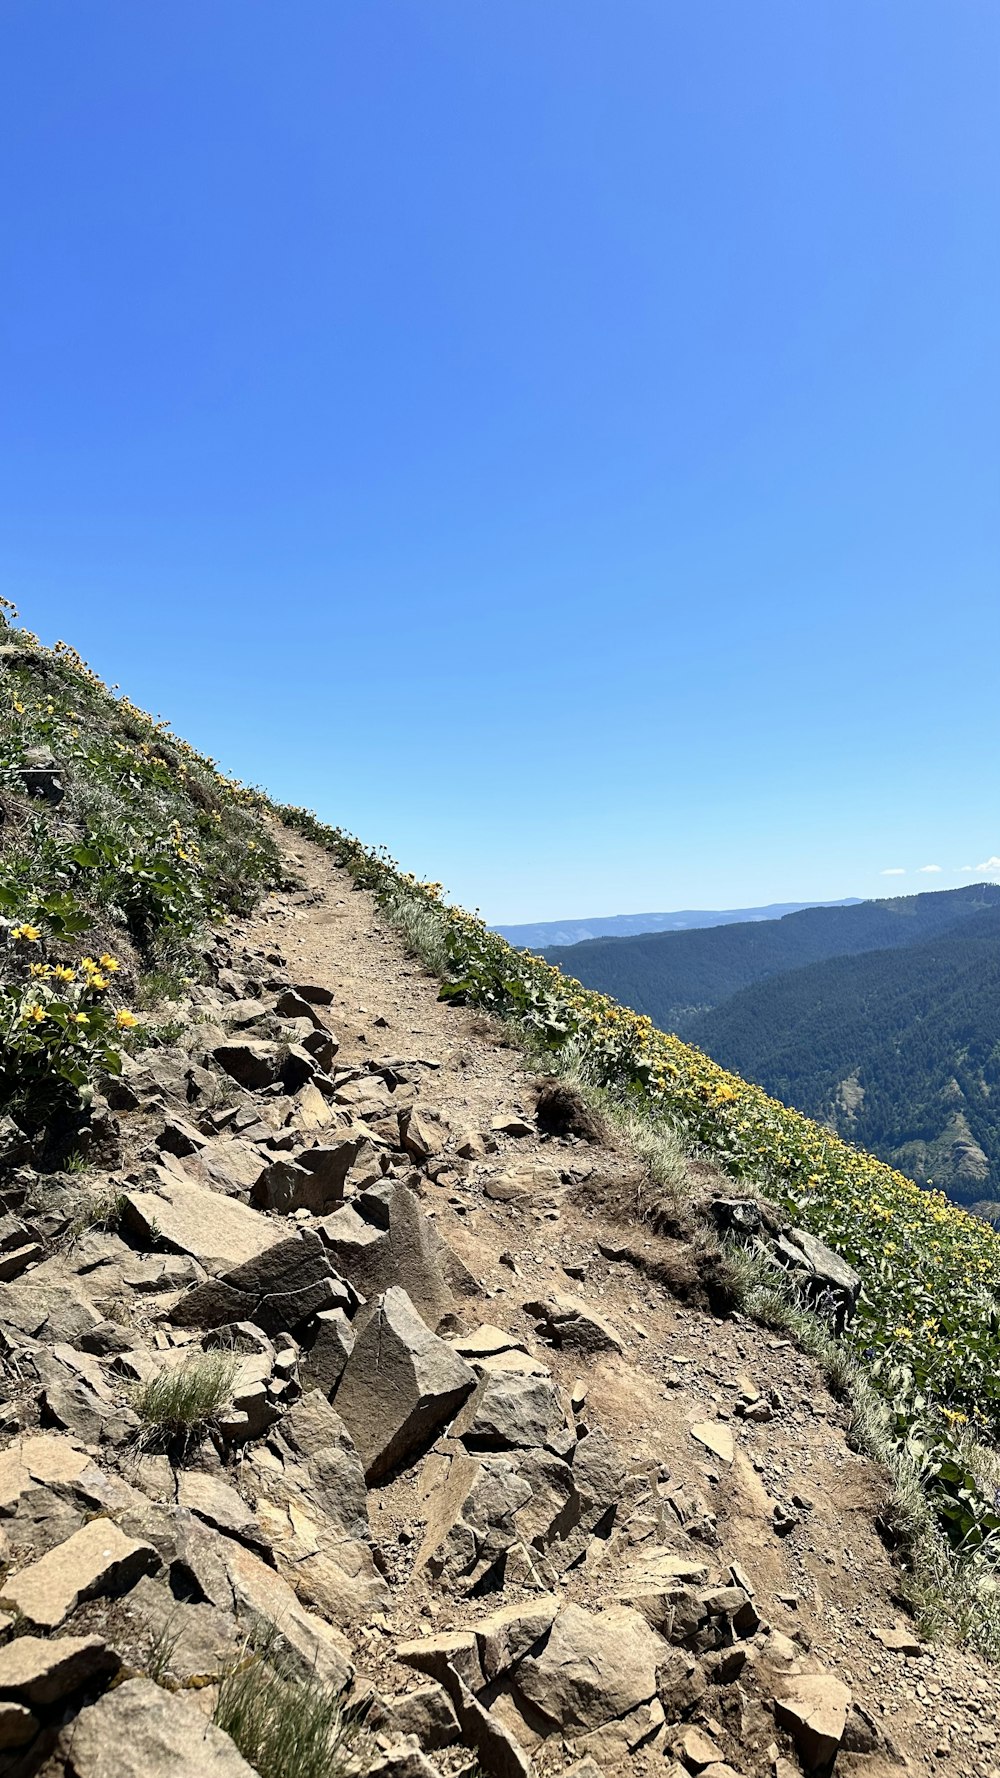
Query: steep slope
{"x": 899, "y": 1050}
{"x": 339, "y": 1373}
{"x": 674, "y": 978}
{"x": 542, "y": 933}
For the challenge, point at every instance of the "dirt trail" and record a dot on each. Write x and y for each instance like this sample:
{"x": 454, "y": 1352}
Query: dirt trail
{"x": 483, "y": 1455}
{"x": 828, "y": 1582}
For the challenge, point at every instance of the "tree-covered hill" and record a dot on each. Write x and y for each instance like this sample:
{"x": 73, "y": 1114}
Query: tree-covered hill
{"x": 898, "y": 1050}
{"x": 676, "y": 977}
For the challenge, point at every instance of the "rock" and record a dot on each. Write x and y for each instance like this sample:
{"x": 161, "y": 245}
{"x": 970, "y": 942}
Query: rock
{"x": 17, "y": 1259}
{"x": 697, "y": 1750}
{"x": 499, "y": 1753}
{"x": 452, "y": 1649}
{"x": 290, "y": 1280}
{"x": 219, "y": 1505}
{"x": 716, "y": 1438}
{"x": 485, "y": 1342}
{"x": 142, "y": 1731}
{"x": 511, "y": 1123}
{"x": 826, "y": 1276}
{"x": 41, "y": 1672}
{"x": 421, "y": 1136}
{"x": 41, "y": 775}
{"x": 403, "y": 1759}
{"x": 45, "y": 1460}
{"x": 197, "y": 1643}
{"x": 595, "y": 1667}
{"x": 215, "y": 1230}
{"x": 254, "y": 1064}
{"x": 179, "y": 1138}
{"x": 427, "y": 1713}
{"x": 322, "y": 1365}
{"x": 568, "y": 1322}
{"x": 386, "y": 1241}
{"x": 264, "y": 1601}
{"x": 400, "y": 1385}
{"x": 314, "y": 994}
{"x": 899, "y": 1640}
{"x": 98, "y": 1559}
{"x": 508, "y": 1411}
{"x": 507, "y": 1635}
{"x": 17, "y": 1725}
{"x": 813, "y": 1708}
{"x": 315, "y": 1510}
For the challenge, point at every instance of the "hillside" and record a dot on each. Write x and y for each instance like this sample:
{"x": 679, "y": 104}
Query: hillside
{"x": 674, "y": 978}
{"x": 540, "y": 934}
{"x": 379, "y": 1395}
{"x": 898, "y": 1050}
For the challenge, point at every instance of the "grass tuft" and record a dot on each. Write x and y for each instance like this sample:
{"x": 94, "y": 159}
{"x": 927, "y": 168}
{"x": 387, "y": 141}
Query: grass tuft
{"x": 182, "y": 1402}
{"x": 284, "y": 1726}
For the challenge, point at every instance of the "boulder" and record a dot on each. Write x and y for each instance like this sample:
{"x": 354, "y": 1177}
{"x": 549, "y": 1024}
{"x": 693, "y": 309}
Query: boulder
{"x": 568, "y": 1322}
{"x": 385, "y": 1240}
{"x": 217, "y": 1231}
{"x": 813, "y": 1708}
{"x": 322, "y": 1365}
{"x": 289, "y": 1281}
{"x": 254, "y": 1064}
{"x": 508, "y": 1411}
{"x": 40, "y": 1671}
{"x": 596, "y": 1667}
{"x": 427, "y": 1713}
{"x": 825, "y": 1276}
{"x": 98, "y": 1559}
{"x": 142, "y": 1731}
{"x": 401, "y": 1384}
{"x": 41, "y": 775}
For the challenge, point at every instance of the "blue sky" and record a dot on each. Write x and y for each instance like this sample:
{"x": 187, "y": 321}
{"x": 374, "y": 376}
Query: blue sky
{"x": 558, "y": 439}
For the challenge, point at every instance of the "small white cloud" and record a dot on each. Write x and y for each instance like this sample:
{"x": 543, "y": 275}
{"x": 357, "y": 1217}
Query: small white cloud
{"x": 989, "y": 864}
{"x": 929, "y": 869}
{"x": 895, "y": 871}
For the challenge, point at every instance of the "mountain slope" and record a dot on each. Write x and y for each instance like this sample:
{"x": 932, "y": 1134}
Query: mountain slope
{"x": 898, "y": 1050}
{"x": 676, "y": 977}
{"x": 542, "y": 933}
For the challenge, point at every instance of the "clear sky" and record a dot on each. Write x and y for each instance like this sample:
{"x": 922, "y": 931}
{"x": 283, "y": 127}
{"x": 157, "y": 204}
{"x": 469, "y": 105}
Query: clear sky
{"x": 556, "y": 438}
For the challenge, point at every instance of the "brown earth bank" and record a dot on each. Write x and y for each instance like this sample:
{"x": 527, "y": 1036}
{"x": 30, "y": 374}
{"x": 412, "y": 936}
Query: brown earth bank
{"x": 474, "y": 1447}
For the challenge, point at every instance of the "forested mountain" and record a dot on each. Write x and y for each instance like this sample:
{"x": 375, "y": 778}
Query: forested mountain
{"x": 898, "y": 1050}
{"x": 677, "y": 977}
{"x": 540, "y": 933}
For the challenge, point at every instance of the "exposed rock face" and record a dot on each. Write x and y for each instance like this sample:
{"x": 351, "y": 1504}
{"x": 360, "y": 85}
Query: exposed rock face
{"x": 401, "y": 1384}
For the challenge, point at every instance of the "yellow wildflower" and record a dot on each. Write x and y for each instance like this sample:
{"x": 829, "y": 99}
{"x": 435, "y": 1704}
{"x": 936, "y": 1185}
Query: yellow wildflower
{"x": 125, "y": 1020}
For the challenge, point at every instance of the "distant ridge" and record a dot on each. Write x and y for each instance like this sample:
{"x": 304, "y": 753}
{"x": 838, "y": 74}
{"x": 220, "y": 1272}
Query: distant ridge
{"x": 541, "y": 933}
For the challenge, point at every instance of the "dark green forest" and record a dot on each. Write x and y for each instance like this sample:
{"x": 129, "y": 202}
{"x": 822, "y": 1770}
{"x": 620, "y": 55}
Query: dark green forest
{"x": 898, "y": 1050}
{"x": 675, "y": 977}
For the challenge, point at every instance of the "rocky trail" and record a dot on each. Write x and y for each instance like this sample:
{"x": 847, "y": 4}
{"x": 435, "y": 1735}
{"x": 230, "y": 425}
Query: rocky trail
{"x": 487, "y": 1454}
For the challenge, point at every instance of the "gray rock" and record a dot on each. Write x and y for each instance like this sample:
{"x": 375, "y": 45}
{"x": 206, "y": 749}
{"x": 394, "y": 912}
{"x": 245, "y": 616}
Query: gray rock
{"x": 594, "y": 1668}
{"x": 826, "y": 1276}
{"x": 38, "y": 1670}
{"x": 400, "y": 1386}
{"x": 427, "y": 1713}
{"x": 322, "y": 1365}
{"x": 508, "y": 1411}
{"x": 41, "y": 775}
{"x": 97, "y": 1559}
{"x": 254, "y": 1064}
{"x": 568, "y": 1322}
{"x": 142, "y": 1731}
{"x": 287, "y": 1283}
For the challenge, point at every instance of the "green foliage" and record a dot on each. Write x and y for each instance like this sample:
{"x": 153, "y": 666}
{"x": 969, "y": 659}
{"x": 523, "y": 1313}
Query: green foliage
{"x": 914, "y": 1033}
{"x": 676, "y": 976}
{"x": 182, "y": 1401}
{"x": 148, "y": 847}
{"x": 285, "y": 1726}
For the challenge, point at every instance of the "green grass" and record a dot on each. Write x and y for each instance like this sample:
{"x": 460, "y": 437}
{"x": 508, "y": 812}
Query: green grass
{"x": 182, "y": 1401}
{"x": 286, "y": 1727}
